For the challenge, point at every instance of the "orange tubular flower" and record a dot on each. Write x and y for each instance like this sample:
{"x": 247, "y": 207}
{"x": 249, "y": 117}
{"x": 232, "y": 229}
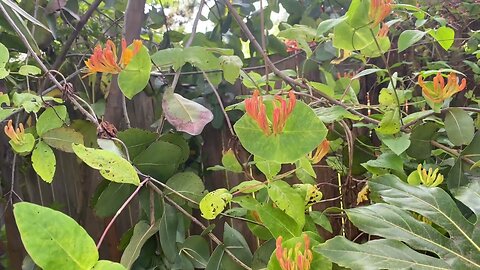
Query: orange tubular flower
{"x": 17, "y": 136}
{"x": 320, "y": 152}
{"x": 379, "y": 10}
{"x": 256, "y": 109}
{"x": 281, "y": 114}
{"x": 292, "y": 45}
{"x": 440, "y": 91}
{"x": 105, "y": 60}
{"x": 383, "y": 32}
{"x": 294, "y": 259}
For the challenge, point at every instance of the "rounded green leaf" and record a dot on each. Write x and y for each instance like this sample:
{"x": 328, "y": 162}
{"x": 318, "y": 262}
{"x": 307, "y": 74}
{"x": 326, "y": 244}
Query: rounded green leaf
{"x": 288, "y": 199}
{"x": 409, "y": 37}
{"x": 230, "y": 162}
{"x": 186, "y": 183}
{"x": 110, "y": 165}
{"x": 62, "y": 138}
{"x": 136, "y": 74}
{"x": 231, "y": 65}
{"x": 44, "y": 162}
{"x": 29, "y": 70}
{"x": 54, "y": 240}
{"x": 28, "y": 142}
{"x": 459, "y": 126}
{"x": 51, "y": 118}
{"x": 214, "y": 202}
{"x": 160, "y": 160}
{"x": 445, "y": 36}
{"x": 302, "y": 133}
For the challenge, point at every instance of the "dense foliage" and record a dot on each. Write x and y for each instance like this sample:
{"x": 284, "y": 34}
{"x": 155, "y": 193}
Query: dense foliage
{"x": 381, "y": 96}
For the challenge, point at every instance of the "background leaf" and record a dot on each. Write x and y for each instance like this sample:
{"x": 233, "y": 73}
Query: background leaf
{"x": 136, "y": 74}
{"x": 44, "y": 162}
{"x": 459, "y": 126}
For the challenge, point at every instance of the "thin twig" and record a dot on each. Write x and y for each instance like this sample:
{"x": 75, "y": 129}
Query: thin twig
{"x": 190, "y": 40}
{"x": 125, "y": 204}
{"x": 452, "y": 152}
{"x": 219, "y": 99}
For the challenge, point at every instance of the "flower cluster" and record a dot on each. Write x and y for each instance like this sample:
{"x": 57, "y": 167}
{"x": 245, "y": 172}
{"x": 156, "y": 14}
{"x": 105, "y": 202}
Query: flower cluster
{"x": 281, "y": 111}
{"x": 430, "y": 178}
{"x": 294, "y": 259}
{"x": 105, "y": 60}
{"x": 320, "y": 152}
{"x": 440, "y": 92}
{"x": 16, "y": 135}
{"x": 379, "y": 10}
{"x": 292, "y": 45}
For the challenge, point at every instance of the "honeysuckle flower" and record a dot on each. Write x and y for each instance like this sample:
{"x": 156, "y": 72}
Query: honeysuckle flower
{"x": 255, "y": 108}
{"x": 320, "y": 152}
{"x": 292, "y": 45}
{"x": 294, "y": 259}
{"x": 281, "y": 114}
{"x": 346, "y": 75}
{"x": 439, "y": 92}
{"x": 362, "y": 195}
{"x": 379, "y": 10}
{"x": 421, "y": 176}
{"x": 383, "y": 32}
{"x": 15, "y": 135}
{"x": 105, "y": 60}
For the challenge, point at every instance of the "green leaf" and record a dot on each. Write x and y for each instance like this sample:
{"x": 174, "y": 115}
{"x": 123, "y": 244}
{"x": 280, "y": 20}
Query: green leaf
{"x": 326, "y": 25}
{"x": 30, "y": 102}
{"x": 215, "y": 261}
{"x": 230, "y": 162}
{"x": 420, "y": 147}
{"x": 231, "y": 66}
{"x": 42, "y": 229}
{"x": 470, "y": 196}
{"x": 169, "y": 57}
{"x": 321, "y": 220}
{"x": 302, "y": 133}
{"x": 196, "y": 248}
{"x": 459, "y": 126}
{"x": 235, "y": 242}
{"x": 168, "y": 232}
{"x": 26, "y": 146}
{"x": 18, "y": 10}
{"x": 248, "y": 186}
{"x": 62, "y": 138}
{"x": 51, "y": 118}
{"x": 348, "y": 37}
{"x": 462, "y": 173}
{"x": 377, "y": 254}
{"x": 133, "y": 79}
{"x": 4, "y": 55}
{"x": 44, "y": 162}
{"x": 269, "y": 168}
{"x": 112, "y": 198}
{"x": 186, "y": 183}
{"x": 29, "y": 70}
{"x": 108, "y": 265}
{"x": 444, "y": 35}
{"x": 385, "y": 161}
{"x": 4, "y": 73}
{"x": 390, "y": 123}
{"x": 288, "y": 200}
{"x": 436, "y": 205}
{"x": 110, "y": 165}
{"x": 261, "y": 257}
{"x": 141, "y": 233}
{"x": 278, "y": 222}
{"x": 4, "y": 113}
{"x": 160, "y": 160}
{"x": 398, "y": 144}
{"x": 409, "y": 37}
{"x": 214, "y": 202}
{"x": 136, "y": 140}
{"x": 178, "y": 140}
{"x": 184, "y": 114}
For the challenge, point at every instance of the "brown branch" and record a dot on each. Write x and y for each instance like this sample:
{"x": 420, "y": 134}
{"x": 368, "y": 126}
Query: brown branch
{"x": 452, "y": 152}
{"x": 43, "y": 67}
